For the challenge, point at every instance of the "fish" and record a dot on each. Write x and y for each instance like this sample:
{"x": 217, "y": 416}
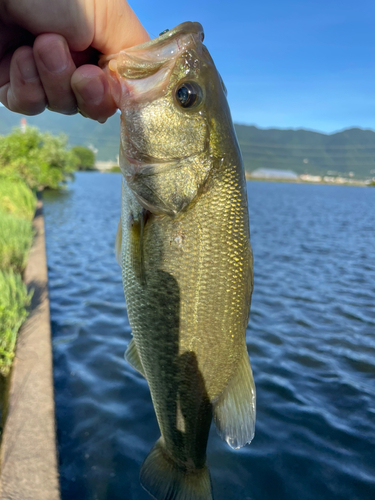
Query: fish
{"x": 183, "y": 244}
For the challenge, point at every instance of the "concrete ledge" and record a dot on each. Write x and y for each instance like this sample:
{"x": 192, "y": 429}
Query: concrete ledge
{"x": 29, "y": 469}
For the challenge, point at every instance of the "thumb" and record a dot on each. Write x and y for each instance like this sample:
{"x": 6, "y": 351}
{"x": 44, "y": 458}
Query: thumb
{"x": 116, "y": 27}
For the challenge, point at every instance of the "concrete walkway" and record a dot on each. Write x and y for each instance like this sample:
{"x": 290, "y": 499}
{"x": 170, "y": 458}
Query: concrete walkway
{"x": 29, "y": 468}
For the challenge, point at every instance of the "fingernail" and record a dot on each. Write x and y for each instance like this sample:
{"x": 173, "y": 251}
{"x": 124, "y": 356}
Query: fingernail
{"x": 5, "y": 92}
{"x": 91, "y": 90}
{"x": 55, "y": 59}
{"x": 27, "y": 68}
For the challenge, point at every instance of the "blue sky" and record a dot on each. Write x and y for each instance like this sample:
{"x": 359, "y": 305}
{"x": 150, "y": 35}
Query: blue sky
{"x": 287, "y": 64}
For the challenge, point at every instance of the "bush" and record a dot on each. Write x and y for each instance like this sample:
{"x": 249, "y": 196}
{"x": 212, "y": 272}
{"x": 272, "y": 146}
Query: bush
{"x": 86, "y": 158}
{"x": 16, "y": 236}
{"x": 13, "y": 302}
{"x": 40, "y": 159}
{"x": 17, "y": 199}
{"x": 115, "y": 169}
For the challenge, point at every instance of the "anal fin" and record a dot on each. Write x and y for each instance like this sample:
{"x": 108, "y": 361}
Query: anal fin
{"x": 132, "y": 357}
{"x": 234, "y": 411}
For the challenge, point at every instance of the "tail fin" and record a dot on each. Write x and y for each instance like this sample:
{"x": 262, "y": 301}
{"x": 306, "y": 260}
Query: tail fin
{"x": 164, "y": 480}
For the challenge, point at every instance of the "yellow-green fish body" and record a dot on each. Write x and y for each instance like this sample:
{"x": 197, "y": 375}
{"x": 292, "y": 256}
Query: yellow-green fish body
{"x": 184, "y": 248}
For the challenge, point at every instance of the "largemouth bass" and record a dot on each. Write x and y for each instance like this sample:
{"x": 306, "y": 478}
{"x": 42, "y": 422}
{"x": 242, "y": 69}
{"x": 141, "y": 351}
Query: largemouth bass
{"x": 184, "y": 247}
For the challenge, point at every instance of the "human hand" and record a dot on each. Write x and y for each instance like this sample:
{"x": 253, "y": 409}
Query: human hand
{"x": 49, "y": 50}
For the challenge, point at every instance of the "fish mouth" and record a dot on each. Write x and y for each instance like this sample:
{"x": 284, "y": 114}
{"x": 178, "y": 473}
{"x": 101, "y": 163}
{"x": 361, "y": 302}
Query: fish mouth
{"x": 146, "y": 59}
{"x": 142, "y": 72}
{"x": 192, "y": 28}
{"x": 165, "y": 39}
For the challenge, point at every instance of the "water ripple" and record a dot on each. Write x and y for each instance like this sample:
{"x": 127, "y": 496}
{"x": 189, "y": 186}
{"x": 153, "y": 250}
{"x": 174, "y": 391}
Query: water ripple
{"x": 311, "y": 339}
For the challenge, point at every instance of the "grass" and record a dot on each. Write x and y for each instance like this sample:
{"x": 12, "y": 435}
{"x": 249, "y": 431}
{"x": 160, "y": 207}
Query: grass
{"x": 30, "y": 159}
{"x": 16, "y": 236}
{"x": 17, "y": 199}
{"x": 14, "y": 299}
{"x": 17, "y": 207}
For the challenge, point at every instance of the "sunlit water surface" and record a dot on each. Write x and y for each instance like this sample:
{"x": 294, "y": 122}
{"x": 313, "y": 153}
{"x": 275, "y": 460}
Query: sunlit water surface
{"x": 311, "y": 340}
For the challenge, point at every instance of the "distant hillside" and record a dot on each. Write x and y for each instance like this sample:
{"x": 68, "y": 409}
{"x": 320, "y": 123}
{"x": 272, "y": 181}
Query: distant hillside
{"x": 303, "y": 151}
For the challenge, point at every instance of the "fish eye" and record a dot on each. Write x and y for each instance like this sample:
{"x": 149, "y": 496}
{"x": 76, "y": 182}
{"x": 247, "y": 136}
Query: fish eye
{"x": 188, "y": 94}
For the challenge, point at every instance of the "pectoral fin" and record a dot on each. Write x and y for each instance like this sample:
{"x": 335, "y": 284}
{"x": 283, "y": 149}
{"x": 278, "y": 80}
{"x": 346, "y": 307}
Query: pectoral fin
{"x": 118, "y": 242}
{"x": 137, "y": 244}
{"x": 132, "y": 357}
{"x": 234, "y": 411}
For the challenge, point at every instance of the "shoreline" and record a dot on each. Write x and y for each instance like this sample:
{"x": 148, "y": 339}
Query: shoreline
{"x": 116, "y": 169}
{"x": 301, "y": 181}
{"x": 29, "y": 466}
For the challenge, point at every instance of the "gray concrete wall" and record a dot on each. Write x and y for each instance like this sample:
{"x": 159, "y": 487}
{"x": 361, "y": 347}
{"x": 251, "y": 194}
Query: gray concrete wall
{"x": 28, "y": 469}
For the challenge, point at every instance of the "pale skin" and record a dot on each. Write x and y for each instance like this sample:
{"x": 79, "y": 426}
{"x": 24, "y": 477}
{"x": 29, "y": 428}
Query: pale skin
{"x": 49, "y": 51}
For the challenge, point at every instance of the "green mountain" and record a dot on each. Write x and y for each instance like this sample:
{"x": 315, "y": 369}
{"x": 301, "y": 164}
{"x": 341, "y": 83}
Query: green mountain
{"x": 303, "y": 151}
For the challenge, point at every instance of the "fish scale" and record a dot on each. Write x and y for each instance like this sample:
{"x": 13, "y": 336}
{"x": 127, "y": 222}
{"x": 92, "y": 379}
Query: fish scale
{"x": 184, "y": 246}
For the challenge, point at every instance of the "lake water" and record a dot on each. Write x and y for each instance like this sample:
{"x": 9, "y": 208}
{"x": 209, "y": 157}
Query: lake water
{"x": 311, "y": 340}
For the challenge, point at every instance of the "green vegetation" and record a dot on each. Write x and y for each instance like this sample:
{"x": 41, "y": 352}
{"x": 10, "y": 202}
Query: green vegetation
{"x": 18, "y": 166}
{"x": 14, "y": 300}
{"x": 79, "y": 130}
{"x": 39, "y": 158}
{"x": 16, "y": 236}
{"x": 86, "y": 158}
{"x": 29, "y": 160}
{"x": 16, "y": 199}
{"x": 17, "y": 207}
